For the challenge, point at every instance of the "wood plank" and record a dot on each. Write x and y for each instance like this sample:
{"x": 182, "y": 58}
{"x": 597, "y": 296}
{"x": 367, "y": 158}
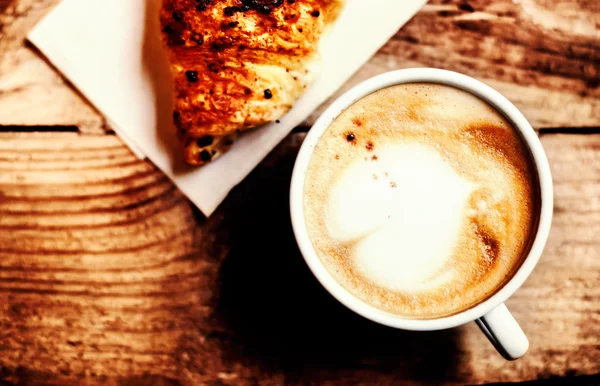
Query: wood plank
{"x": 544, "y": 55}
{"x": 118, "y": 280}
{"x": 31, "y": 91}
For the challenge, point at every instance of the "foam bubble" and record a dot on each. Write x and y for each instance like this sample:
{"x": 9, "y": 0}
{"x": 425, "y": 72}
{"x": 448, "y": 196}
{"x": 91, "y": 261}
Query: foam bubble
{"x": 405, "y": 212}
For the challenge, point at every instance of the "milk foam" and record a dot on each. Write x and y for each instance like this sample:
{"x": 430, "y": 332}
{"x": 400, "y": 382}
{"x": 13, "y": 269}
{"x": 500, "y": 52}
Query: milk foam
{"x": 419, "y": 199}
{"x": 404, "y": 211}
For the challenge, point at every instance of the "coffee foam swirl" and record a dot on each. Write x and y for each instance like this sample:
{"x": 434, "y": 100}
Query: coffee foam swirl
{"x": 419, "y": 200}
{"x": 405, "y": 231}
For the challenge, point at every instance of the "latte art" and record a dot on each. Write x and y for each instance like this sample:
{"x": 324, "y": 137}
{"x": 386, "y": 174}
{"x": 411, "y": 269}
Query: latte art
{"x": 419, "y": 200}
{"x": 405, "y": 231}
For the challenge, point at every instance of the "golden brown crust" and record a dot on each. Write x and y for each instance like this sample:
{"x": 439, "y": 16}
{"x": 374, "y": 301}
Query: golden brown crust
{"x": 238, "y": 64}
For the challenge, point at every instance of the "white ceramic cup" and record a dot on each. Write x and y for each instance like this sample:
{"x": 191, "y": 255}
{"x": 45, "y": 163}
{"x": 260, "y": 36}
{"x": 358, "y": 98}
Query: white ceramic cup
{"x": 491, "y": 315}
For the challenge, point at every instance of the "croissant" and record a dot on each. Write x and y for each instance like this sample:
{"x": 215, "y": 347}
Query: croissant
{"x": 238, "y": 64}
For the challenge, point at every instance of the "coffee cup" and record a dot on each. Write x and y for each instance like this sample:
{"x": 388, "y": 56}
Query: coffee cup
{"x": 490, "y": 313}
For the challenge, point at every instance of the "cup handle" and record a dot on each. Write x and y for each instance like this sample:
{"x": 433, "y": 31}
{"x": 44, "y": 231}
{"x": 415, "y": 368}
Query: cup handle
{"x": 504, "y": 332}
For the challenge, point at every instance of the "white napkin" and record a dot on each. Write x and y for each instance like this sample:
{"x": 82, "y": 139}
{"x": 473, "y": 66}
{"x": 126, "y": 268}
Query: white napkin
{"x": 111, "y": 51}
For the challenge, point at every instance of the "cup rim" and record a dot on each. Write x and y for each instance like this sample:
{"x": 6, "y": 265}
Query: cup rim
{"x": 421, "y": 75}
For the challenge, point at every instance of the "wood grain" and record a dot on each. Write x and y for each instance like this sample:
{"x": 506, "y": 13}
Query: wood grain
{"x": 109, "y": 276}
{"x": 544, "y": 55}
{"x": 31, "y": 91}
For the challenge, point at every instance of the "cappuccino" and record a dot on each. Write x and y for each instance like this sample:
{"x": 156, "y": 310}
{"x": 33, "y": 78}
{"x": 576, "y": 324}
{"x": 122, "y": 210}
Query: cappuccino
{"x": 421, "y": 199}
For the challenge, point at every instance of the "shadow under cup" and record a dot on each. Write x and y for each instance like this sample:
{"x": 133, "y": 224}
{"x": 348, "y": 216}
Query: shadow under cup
{"x": 542, "y": 210}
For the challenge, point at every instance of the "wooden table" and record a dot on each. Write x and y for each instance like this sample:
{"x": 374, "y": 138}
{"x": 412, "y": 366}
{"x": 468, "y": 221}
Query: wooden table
{"x": 109, "y": 276}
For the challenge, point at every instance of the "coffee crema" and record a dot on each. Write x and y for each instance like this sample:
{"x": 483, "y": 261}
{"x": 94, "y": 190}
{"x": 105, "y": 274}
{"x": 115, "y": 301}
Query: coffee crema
{"x": 421, "y": 200}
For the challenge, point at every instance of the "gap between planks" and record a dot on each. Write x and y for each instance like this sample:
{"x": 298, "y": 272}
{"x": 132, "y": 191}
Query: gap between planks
{"x": 298, "y": 129}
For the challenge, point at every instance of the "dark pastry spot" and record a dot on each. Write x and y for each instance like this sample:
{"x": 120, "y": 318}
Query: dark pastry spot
{"x": 203, "y": 5}
{"x": 247, "y": 91}
{"x": 205, "y": 155}
{"x": 220, "y": 45}
{"x": 315, "y": 13}
{"x": 174, "y": 31}
{"x": 291, "y": 1}
{"x": 205, "y": 141}
{"x": 265, "y": 9}
{"x": 229, "y": 11}
{"x": 231, "y": 24}
{"x": 374, "y": 158}
{"x": 393, "y": 184}
{"x": 211, "y": 92}
{"x": 242, "y": 47}
{"x": 182, "y": 133}
{"x": 262, "y": 6}
{"x": 176, "y": 115}
{"x": 300, "y": 30}
{"x": 213, "y": 67}
{"x": 369, "y": 146}
{"x": 277, "y": 121}
{"x": 192, "y": 76}
{"x": 350, "y": 137}
{"x": 337, "y": 156}
{"x": 177, "y": 16}
{"x": 268, "y": 94}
